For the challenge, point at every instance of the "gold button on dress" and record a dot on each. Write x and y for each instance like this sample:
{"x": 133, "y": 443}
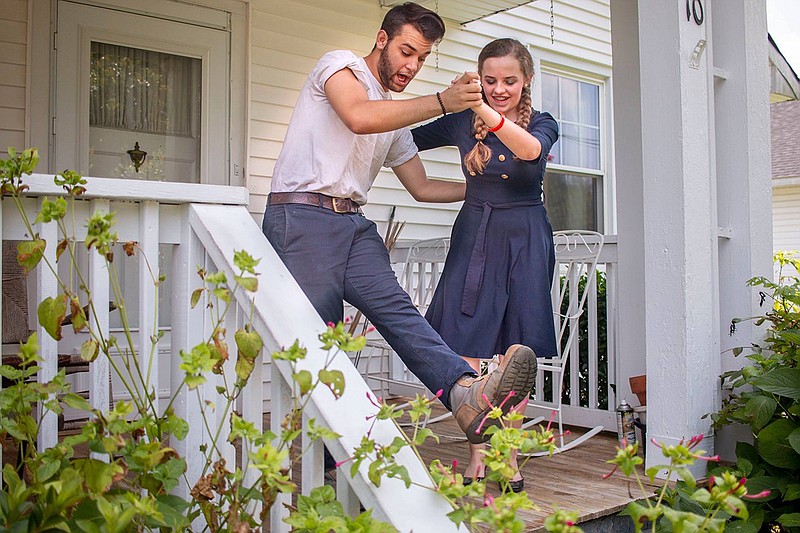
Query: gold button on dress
{"x": 501, "y": 157}
{"x": 504, "y": 176}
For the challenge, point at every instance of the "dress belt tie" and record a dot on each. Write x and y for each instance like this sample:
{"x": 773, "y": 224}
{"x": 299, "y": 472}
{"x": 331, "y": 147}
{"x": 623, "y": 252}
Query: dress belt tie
{"x": 477, "y": 260}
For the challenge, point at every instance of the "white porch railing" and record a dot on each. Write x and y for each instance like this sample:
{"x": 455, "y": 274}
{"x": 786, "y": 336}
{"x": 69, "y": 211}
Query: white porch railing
{"x": 202, "y": 225}
{"x": 592, "y": 374}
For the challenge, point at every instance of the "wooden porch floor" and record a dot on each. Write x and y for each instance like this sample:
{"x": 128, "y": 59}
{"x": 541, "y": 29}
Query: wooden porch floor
{"x": 572, "y": 481}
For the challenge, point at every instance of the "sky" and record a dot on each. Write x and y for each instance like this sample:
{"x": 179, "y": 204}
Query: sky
{"x": 783, "y": 23}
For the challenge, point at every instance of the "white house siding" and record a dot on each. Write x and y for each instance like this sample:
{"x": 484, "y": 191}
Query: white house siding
{"x": 288, "y": 37}
{"x": 786, "y": 218}
{"x": 13, "y": 51}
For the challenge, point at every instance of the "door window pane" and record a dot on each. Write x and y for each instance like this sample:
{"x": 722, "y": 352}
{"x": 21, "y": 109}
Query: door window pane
{"x": 572, "y": 201}
{"x": 145, "y": 97}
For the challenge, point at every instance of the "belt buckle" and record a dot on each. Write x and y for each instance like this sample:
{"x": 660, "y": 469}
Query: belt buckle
{"x": 335, "y": 205}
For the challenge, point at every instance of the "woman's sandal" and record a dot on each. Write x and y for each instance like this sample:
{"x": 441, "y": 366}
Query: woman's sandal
{"x": 469, "y": 480}
{"x": 517, "y": 486}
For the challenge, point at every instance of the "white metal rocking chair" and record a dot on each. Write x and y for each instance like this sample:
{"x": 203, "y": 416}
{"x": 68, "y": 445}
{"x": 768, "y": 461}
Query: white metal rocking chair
{"x": 577, "y": 252}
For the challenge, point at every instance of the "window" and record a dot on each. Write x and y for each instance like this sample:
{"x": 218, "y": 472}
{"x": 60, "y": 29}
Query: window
{"x": 573, "y": 184}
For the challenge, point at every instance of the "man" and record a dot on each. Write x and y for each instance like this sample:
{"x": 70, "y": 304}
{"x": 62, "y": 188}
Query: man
{"x": 344, "y": 128}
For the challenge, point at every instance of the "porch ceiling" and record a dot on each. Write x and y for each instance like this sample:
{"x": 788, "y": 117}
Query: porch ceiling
{"x": 464, "y": 11}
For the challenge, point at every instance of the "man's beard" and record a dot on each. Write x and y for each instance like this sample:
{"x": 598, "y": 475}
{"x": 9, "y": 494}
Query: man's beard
{"x": 385, "y": 72}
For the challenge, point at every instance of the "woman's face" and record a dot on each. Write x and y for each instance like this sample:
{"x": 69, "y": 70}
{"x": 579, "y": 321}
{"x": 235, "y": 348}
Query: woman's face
{"x": 502, "y": 79}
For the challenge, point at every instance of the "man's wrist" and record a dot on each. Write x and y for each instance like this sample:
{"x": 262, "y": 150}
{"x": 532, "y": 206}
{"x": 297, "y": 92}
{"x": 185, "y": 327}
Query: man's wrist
{"x": 441, "y": 103}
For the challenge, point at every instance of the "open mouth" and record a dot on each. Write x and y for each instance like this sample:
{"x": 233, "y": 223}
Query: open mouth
{"x": 500, "y": 101}
{"x": 402, "y": 79}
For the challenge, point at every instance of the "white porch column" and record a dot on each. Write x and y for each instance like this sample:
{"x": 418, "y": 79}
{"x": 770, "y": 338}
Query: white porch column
{"x": 744, "y": 195}
{"x": 670, "y": 293}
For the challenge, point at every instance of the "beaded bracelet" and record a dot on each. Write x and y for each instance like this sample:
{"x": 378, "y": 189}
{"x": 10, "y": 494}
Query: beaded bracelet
{"x": 500, "y": 124}
{"x": 441, "y": 104}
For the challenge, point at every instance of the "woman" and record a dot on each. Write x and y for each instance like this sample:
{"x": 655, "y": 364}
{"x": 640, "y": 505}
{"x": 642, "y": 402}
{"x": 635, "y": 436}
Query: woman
{"x": 495, "y": 287}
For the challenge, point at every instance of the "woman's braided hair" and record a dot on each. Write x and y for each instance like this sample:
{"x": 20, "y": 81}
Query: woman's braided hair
{"x": 477, "y": 159}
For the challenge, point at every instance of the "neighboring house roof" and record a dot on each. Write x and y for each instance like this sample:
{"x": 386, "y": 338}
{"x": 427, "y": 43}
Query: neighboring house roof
{"x": 785, "y": 118}
{"x": 784, "y": 84}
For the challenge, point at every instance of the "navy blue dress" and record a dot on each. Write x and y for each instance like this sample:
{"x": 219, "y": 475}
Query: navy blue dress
{"x": 495, "y": 287}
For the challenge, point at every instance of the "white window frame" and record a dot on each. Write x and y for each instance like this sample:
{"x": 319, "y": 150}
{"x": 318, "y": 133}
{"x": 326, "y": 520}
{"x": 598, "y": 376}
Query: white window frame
{"x": 607, "y": 208}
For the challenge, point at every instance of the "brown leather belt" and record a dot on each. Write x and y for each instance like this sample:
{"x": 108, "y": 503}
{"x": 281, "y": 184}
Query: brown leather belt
{"x": 337, "y": 205}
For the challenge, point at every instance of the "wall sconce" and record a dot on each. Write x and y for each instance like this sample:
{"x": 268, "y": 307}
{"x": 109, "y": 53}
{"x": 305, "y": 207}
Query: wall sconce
{"x": 137, "y": 156}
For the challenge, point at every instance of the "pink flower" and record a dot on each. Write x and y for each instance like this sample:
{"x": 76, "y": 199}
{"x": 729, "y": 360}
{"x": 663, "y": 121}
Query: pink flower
{"x": 340, "y": 463}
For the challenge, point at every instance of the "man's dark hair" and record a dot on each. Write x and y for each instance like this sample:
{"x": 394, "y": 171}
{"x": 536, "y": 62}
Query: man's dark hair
{"x": 425, "y": 21}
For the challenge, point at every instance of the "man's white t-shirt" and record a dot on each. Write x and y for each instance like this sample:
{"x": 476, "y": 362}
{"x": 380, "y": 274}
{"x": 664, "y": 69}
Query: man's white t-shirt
{"x": 320, "y": 154}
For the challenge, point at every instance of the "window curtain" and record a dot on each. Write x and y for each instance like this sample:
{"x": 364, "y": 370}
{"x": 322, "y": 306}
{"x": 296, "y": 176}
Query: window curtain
{"x": 146, "y": 91}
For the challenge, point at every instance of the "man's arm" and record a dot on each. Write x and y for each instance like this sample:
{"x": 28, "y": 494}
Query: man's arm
{"x": 414, "y": 178}
{"x": 362, "y": 115}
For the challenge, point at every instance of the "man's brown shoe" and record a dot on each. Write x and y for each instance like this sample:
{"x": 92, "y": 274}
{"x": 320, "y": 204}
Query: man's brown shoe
{"x": 516, "y": 373}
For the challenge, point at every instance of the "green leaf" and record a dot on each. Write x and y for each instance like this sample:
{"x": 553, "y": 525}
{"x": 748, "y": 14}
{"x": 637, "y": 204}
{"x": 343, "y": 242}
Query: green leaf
{"x": 756, "y": 485}
{"x": 759, "y": 411}
{"x": 244, "y": 367}
{"x": 196, "y": 296}
{"x": 172, "y": 510}
{"x": 304, "y": 380}
{"x": 334, "y": 380}
{"x": 792, "y": 492}
{"x": 374, "y": 473}
{"x": 170, "y": 472}
{"x": 176, "y": 426}
{"x": 78, "y": 315}
{"x": 248, "y": 284}
{"x": 740, "y": 526}
{"x": 794, "y": 440}
{"x": 744, "y": 466}
{"x": 773, "y": 444}
{"x": 29, "y": 253}
{"x": 62, "y": 246}
{"x": 641, "y": 514}
{"x": 48, "y": 468}
{"x": 90, "y": 349}
{"x": 76, "y": 401}
{"x": 781, "y": 381}
{"x": 422, "y": 435}
{"x": 51, "y": 313}
{"x": 249, "y": 343}
{"x": 790, "y": 335}
{"x": 97, "y": 475}
{"x": 789, "y": 520}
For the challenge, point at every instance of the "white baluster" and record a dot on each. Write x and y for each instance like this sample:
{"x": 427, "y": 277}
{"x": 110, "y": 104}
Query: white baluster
{"x": 47, "y": 286}
{"x": 99, "y": 370}
{"x": 148, "y": 305}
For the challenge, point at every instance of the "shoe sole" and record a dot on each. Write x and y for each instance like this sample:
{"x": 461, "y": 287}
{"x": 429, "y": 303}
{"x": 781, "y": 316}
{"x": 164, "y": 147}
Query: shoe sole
{"x": 519, "y": 376}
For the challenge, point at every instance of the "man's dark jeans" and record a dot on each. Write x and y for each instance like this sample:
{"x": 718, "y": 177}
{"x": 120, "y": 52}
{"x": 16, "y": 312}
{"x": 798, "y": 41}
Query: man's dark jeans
{"x": 336, "y": 257}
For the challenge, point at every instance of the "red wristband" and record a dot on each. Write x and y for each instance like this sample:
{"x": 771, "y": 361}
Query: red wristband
{"x": 499, "y": 125}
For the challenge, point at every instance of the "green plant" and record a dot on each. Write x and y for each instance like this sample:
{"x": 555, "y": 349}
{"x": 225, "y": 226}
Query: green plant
{"x": 687, "y": 506}
{"x": 766, "y": 397}
{"x": 126, "y": 483}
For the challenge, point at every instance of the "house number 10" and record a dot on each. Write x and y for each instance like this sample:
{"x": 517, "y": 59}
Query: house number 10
{"x": 694, "y": 10}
